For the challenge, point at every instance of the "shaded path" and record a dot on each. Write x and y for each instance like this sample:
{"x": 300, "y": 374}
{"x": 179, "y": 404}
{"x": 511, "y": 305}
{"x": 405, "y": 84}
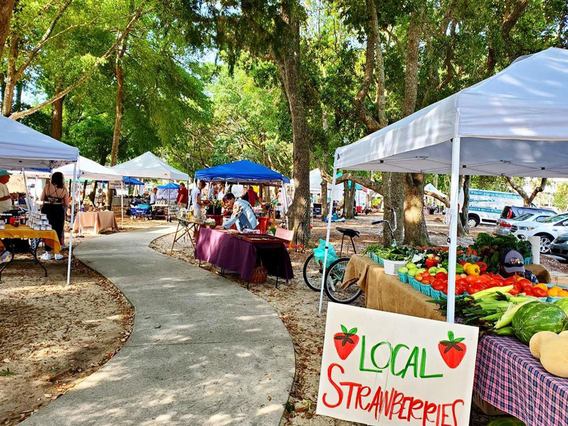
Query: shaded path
{"x": 203, "y": 351}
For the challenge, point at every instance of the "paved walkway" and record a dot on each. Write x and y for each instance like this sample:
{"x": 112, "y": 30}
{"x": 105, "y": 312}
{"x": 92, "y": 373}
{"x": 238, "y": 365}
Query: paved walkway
{"x": 203, "y": 350}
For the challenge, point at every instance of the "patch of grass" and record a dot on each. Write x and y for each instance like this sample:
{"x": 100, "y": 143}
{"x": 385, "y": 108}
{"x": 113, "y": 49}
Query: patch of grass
{"x": 6, "y": 373}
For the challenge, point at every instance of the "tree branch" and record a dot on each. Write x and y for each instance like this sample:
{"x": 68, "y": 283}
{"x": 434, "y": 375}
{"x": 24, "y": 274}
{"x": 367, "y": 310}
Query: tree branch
{"x": 438, "y": 197}
{"x": 86, "y": 75}
{"x": 43, "y": 40}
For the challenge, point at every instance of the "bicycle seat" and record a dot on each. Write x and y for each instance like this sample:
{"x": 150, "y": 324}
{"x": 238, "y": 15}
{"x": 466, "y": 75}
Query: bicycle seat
{"x": 348, "y": 232}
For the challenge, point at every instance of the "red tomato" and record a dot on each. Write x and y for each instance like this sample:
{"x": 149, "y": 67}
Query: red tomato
{"x": 528, "y": 291}
{"x": 514, "y": 291}
{"x": 474, "y": 288}
{"x": 524, "y": 282}
{"x": 539, "y": 292}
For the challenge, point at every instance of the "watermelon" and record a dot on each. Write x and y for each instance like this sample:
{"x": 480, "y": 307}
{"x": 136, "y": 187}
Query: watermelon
{"x": 537, "y": 316}
{"x": 506, "y": 421}
{"x": 563, "y": 303}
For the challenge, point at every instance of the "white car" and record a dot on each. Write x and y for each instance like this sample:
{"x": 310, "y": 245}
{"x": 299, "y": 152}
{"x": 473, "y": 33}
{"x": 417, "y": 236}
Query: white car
{"x": 547, "y": 229}
{"x": 504, "y": 226}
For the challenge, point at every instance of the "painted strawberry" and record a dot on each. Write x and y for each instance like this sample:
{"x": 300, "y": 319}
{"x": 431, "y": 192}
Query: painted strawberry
{"x": 345, "y": 342}
{"x": 452, "y": 350}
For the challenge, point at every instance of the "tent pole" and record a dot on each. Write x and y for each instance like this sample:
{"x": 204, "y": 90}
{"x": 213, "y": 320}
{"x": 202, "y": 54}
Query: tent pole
{"x": 28, "y": 200}
{"x": 73, "y": 191}
{"x": 329, "y": 214}
{"x": 285, "y": 202}
{"x": 122, "y": 204}
{"x": 453, "y": 236}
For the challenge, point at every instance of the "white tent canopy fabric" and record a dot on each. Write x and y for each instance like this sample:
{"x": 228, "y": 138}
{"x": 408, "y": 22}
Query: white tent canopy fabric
{"x": 514, "y": 124}
{"x": 315, "y": 185}
{"x": 24, "y": 148}
{"x": 149, "y": 166}
{"x": 90, "y": 170}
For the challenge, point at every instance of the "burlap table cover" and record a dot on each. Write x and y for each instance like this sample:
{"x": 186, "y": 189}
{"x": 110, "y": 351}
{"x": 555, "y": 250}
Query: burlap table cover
{"x": 387, "y": 293}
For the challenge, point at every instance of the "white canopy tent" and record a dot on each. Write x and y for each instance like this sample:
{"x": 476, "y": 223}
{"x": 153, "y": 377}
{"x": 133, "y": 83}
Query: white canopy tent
{"x": 91, "y": 170}
{"x": 315, "y": 185}
{"x": 149, "y": 166}
{"x": 23, "y": 148}
{"x": 512, "y": 124}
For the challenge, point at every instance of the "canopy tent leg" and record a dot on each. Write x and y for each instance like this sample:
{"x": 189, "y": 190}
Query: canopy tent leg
{"x": 329, "y": 214}
{"x": 73, "y": 191}
{"x": 453, "y": 235}
{"x": 285, "y": 201}
{"x": 28, "y": 199}
{"x": 122, "y": 204}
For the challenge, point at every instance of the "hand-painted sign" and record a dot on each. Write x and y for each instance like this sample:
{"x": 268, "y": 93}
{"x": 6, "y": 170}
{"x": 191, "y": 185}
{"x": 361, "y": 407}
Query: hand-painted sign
{"x": 380, "y": 368}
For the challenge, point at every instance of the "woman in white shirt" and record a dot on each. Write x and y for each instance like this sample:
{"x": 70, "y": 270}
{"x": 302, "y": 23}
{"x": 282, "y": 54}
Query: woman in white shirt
{"x": 196, "y": 203}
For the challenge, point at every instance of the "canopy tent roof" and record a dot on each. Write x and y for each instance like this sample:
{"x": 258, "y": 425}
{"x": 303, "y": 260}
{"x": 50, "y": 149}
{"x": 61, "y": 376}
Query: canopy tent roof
{"x": 169, "y": 185}
{"x": 431, "y": 188}
{"x": 149, "y": 166}
{"x": 90, "y": 170}
{"x": 514, "y": 124}
{"x": 243, "y": 171}
{"x": 23, "y": 147}
{"x": 131, "y": 181}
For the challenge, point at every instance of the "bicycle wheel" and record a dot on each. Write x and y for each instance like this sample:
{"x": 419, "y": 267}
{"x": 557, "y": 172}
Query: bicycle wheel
{"x": 334, "y": 280}
{"x": 312, "y": 273}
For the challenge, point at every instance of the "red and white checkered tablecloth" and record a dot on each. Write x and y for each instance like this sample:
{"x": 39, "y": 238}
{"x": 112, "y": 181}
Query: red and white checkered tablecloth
{"x": 510, "y": 378}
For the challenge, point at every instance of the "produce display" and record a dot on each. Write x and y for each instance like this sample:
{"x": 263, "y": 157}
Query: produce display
{"x": 552, "y": 350}
{"x": 390, "y": 253}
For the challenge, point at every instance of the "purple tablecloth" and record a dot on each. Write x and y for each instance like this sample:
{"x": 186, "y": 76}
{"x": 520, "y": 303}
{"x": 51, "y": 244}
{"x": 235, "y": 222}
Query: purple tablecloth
{"x": 510, "y": 378}
{"x": 233, "y": 254}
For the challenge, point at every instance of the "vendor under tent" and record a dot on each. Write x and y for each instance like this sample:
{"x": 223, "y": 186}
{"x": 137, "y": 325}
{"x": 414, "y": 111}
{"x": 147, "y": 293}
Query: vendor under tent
{"x": 169, "y": 191}
{"x": 245, "y": 172}
{"x": 512, "y": 124}
{"x": 22, "y": 148}
{"x": 149, "y": 166}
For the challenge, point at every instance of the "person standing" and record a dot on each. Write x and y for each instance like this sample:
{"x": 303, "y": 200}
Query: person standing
{"x": 5, "y": 203}
{"x": 196, "y": 203}
{"x": 252, "y": 196}
{"x": 183, "y": 196}
{"x": 154, "y": 196}
{"x": 5, "y": 196}
{"x": 55, "y": 202}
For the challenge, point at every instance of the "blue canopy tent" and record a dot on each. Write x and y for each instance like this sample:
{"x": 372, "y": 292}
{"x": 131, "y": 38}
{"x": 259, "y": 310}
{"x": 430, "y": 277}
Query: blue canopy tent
{"x": 243, "y": 171}
{"x": 169, "y": 185}
{"x": 131, "y": 181}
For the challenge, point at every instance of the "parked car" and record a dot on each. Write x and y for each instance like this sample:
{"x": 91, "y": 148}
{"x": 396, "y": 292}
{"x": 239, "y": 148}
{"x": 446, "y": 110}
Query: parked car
{"x": 559, "y": 246}
{"x": 504, "y": 225}
{"x": 547, "y": 229}
{"x": 512, "y": 212}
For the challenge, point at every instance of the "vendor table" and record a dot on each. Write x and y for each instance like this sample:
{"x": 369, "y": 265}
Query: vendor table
{"x": 507, "y": 375}
{"x": 97, "y": 221}
{"x": 228, "y": 252}
{"x": 26, "y": 233}
{"x": 385, "y": 292}
{"x": 186, "y": 228}
{"x": 510, "y": 378}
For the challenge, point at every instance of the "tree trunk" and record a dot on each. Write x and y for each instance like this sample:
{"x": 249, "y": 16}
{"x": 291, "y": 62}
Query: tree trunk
{"x": 324, "y": 203}
{"x": 288, "y": 63}
{"x": 6, "y": 11}
{"x": 11, "y": 79}
{"x": 393, "y": 197}
{"x": 415, "y": 232}
{"x": 348, "y": 197}
{"x": 57, "y": 118}
{"x": 464, "y": 228}
{"x": 119, "y": 109}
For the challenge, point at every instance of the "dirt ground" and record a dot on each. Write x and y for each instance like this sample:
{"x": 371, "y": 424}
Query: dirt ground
{"x": 297, "y": 306}
{"x": 52, "y": 335}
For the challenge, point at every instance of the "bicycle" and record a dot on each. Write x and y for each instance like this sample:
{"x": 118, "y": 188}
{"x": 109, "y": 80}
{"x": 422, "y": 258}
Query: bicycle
{"x": 335, "y": 274}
